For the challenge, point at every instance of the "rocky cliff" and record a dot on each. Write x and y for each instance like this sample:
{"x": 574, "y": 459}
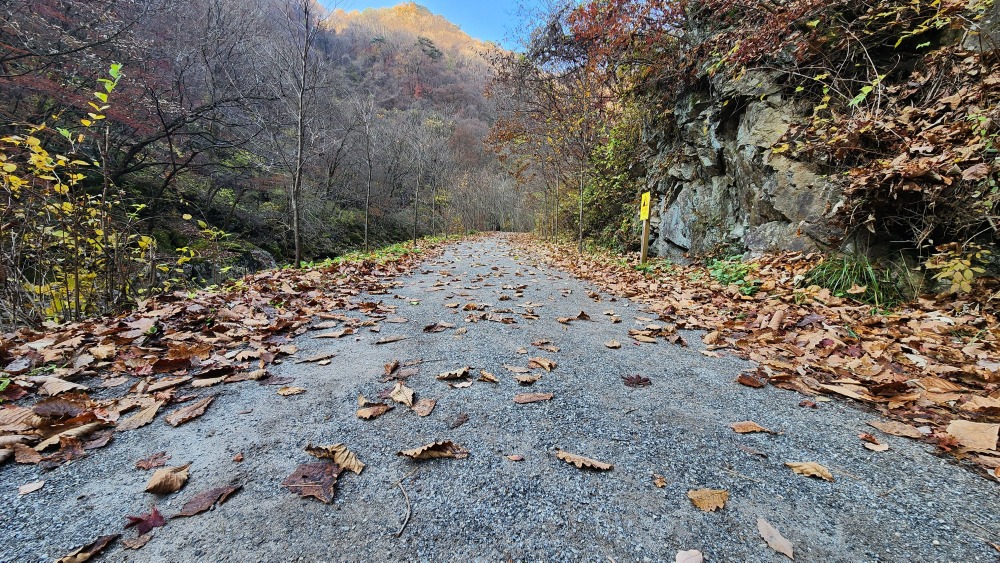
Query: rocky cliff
{"x": 718, "y": 182}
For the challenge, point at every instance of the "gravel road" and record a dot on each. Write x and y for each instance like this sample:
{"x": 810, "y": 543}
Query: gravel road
{"x": 905, "y": 504}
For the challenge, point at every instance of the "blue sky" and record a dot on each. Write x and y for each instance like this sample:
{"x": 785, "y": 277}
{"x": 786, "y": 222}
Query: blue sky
{"x": 492, "y": 20}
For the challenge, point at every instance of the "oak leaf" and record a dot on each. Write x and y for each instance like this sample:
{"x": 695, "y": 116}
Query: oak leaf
{"x": 810, "y": 469}
{"x": 583, "y": 462}
{"x": 435, "y": 450}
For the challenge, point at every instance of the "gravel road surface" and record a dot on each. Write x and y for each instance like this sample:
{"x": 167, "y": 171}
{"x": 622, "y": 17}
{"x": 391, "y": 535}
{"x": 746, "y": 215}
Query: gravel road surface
{"x": 905, "y": 504}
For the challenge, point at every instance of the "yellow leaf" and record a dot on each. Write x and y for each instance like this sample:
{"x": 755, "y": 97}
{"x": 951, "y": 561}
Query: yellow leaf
{"x": 811, "y": 469}
{"x": 186, "y": 216}
{"x": 708, "y": 500}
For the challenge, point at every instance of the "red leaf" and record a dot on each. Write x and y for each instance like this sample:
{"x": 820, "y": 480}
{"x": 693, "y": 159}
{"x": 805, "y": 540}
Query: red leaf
{"x": 146, "y": 522}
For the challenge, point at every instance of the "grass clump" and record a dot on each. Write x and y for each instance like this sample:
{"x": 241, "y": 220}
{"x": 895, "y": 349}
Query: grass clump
{"x": 861, "y": 279}
{"x": 734, "y": 271}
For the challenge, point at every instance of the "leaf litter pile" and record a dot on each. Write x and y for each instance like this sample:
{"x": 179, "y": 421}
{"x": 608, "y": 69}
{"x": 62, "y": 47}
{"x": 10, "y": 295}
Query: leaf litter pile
{"x": 155, "y": 361}
{"x": 932, "y": 366}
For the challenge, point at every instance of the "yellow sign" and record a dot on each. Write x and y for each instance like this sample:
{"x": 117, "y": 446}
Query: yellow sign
{"x": 644, "y": 208}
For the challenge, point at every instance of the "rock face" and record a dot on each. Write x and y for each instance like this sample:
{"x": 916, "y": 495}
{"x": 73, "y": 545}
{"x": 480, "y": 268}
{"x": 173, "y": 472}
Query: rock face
{"x": 717, "y": 180}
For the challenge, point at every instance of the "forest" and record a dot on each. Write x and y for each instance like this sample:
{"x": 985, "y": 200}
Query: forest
{"x": 159, "y": 144}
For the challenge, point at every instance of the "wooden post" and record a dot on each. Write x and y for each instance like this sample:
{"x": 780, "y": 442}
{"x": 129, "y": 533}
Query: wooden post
{"x": 644, "y": 216}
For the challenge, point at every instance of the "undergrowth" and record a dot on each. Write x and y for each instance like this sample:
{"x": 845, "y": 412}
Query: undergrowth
{"x": 734, "y": 271}
{"x": 859, "y": 278}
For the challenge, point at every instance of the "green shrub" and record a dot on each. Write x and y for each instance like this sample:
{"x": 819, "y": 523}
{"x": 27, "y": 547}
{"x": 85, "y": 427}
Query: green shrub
{"x": 734, "y": 271}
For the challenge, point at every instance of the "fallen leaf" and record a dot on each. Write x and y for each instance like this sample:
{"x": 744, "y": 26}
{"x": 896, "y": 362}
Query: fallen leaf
{"x": 774, "y": 538}
{"x": 168, "y": 480}
{"x": 373, "y": 410}
{"x": 423, "y": 407}
{"x": 238, "y": 458}
{"x": 810, "y": 469}
{"x": 751, "y": 380}
{"x": 708, "y": 500}
{"x": 978, "y": 436}
{"x": 527, "y": 379}
{"x": 137, "y": 543}
{"x": 402, "y": 394}
{"x": 391, "y": 339}
{"x": 584, "y": 462}
{"x": 289, "y": 391}
{"x": 541, "y": 363}
{"x": 141, "y": 418}
{"x": 460, "y": 373}
{"x": 155, "y": 460}
{"x": 644, "y": 339}
{"x": 515, "y": 457}
{"x": 84, "y": 553}
{"x": 462, "y": 385}
{"x": 487, "y": 377}
{"x": 749, "y": 426}
{"x": 445, "y": 449}
{"x": 613, "y": 344}
{"x": 439, "y": 326}
{"x": 659, "y": 481}
{"x": 636, "y": 381}
{"x": 524, "y": 398}
{"x": 25, "y": 454}
{"x": 340, "y": 455}
{"x": 190, "y": 412}
{"x": 318, "y": 480}
{"x": 30, "y": 487}
{"x": 459, "y": 420}
{"x": 896, "y": 429}
{"x": 206, "y": 499}
{"x": 146, "y": 522}
{"x": 689, "y": 556}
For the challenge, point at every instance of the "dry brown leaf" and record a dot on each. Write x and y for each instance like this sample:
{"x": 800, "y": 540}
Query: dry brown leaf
{"x": 541, "y": 363}
{"x": 86, "y": 552}
{"x": 583, "y": 462}
{"x": 462, "y": 385}
{"x": 289, "y": 391}
{"x": 168, "y": 480}
{"x": 751, "y": 380}
{"x": 190, "y": 412}
{"x": 318, "y": 480}
{"x": 810, "y": 469}
{"x": 708, "y": 500}
{"x": 78, "y": 432}
{"x": 774, "y": 538}
{"x": 524, "y": 398}
{"x": 977, "y": 436}
{"x": 749, "y": 426}
{"x": 515, "y": 457}
{"x": 373, "y": 410}
{"x": 340, "y": 455}
{"x": 644, "y": 339}
{"x": 391, "y": 339}
{"x": 402, "y": 394}
{"x": 155, "y": 460}
{"x": 460, "y": 373}
{"x": 424, "y": 407}
{"x": 487, "y": 377}
{"x": 30, "y": 487}
{"x": 527, "y": 379}
{"x": 445, "y": 449}
{"x": 207, "y": 499}
{"x": 54, "y": 386}
{"x": 24, "y": 454}
{"x": 659, "y": 481}
{"x": 137, "y": 543}
{"x": 613, "y": 344}
{"x": 896, "y": 429}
